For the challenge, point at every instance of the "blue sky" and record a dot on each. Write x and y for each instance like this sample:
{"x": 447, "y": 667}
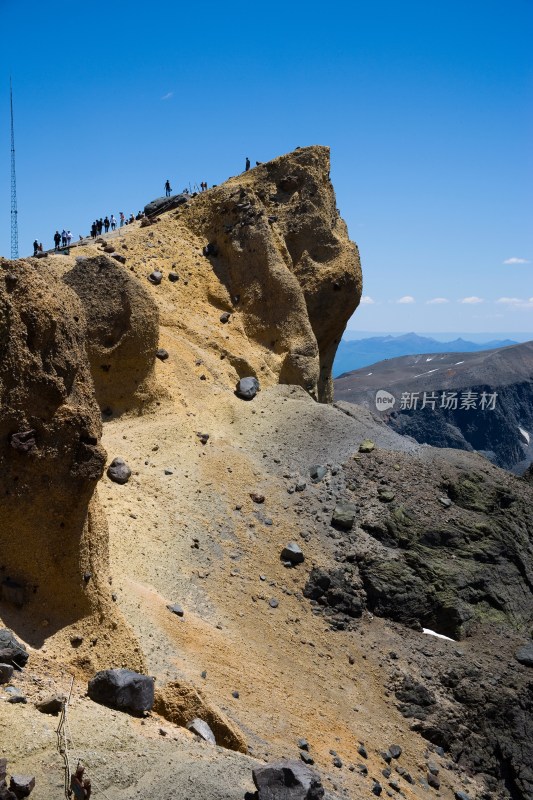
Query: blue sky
{"x": 427, "y": 107}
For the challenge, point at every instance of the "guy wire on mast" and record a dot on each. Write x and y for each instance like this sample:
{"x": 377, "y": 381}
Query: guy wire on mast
{"x": 14, "y": 213}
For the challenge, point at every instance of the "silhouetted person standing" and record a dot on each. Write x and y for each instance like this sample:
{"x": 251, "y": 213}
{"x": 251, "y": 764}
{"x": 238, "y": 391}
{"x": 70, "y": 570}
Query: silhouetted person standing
{"x": 106, "y": 225}
{"x": 247, "y": 164}
{"x": 167, "y": 189}
{"x": 57, "y": 239}
{"x": 35, "y": 247}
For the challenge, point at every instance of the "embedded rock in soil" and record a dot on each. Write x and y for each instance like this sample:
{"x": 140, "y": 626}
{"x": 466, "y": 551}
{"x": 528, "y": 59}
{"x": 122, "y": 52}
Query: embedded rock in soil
{"x": 181, "y": 703}
{"x": 287, "y": 780}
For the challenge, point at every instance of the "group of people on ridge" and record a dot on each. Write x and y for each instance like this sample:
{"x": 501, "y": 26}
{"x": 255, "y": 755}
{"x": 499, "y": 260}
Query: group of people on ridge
{"x": 64, "y": 239}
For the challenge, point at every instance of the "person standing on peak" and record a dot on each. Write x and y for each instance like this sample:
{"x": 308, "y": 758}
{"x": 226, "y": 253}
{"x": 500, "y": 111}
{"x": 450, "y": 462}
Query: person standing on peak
{"x": 99, "y": 225}
{"x": 35, "y": 247}
{"x": 106, "y": 224}
{"x": 167, "y": 189}
{"x": 122, "y": 218}
{"x": 113, "y": 222}
{"x": 69, "y": 238}
{"x": 63, "y": 238}
{"x": 247, "y": 164}
{"x": 57, "y": 239}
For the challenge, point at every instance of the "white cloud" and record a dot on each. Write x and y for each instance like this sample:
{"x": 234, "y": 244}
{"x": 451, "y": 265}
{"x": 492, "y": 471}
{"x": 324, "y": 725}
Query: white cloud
{"x": 515, "y": 260}
{"x": 516, "y": 302}
{"x": 167, "y": 96}
{"x": 367, "y": 301}
{"x": 437, "y": 301}
{"x": 406, "y": 300}
{"x": 471, "y": 301}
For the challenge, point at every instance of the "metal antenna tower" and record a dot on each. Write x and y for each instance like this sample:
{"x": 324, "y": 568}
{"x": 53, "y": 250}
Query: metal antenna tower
{"x": 14, "y": 213}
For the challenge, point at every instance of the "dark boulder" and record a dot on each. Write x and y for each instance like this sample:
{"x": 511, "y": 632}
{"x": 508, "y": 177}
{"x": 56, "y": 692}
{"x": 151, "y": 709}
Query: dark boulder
{"x": 12, "y": 651}
{"x": 247, "y": 388}
{"x": 6, "y": 673}
{"x": 161, "y": 204}
{"x": 343, "y": 516}
{"x": 524, "y": 654}
{"x": 287, "y": 780}
{"x": 118, "y": 471}
{"x": 123, "y": 689}
{"x": 292, "y": 553}
{"x": 155, "y": 277}
{"x": 22, "y": 785}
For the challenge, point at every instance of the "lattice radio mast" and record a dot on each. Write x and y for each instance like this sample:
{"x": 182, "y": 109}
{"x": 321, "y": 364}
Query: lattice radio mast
{"x": 14, "y": 213}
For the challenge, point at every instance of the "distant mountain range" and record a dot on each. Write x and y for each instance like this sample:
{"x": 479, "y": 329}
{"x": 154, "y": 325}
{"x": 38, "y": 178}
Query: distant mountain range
{"x": 470, "y": 401}
{"x": 354, "y": 354}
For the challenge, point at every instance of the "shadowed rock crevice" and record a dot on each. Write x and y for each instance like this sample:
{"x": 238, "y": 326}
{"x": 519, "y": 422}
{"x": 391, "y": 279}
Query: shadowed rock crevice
{"x": 181, "y": 703}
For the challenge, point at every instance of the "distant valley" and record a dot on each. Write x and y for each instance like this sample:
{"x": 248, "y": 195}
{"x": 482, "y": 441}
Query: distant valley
{"x": 480, "y": 401}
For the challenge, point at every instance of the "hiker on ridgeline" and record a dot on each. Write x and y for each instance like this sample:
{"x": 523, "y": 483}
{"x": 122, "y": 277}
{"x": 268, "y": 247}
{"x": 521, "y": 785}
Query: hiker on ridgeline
{"x": 57, "y": 239}
{"x": 99, "y": 225}
{"x": 40, "y": 247}
{"x": 122, "y": 218}
{"x": 93, "y": 230}
{"x": 113, "y": 222}
{"x": 80, "y": 786}
{"x": 35, "y": 247}
{"x": 63, "y": 238}
{"x": 69, "y": 238}
{"x": 167, "y": 189}
{"x": 106, "y": 224}
{"x": 247, "y": 164}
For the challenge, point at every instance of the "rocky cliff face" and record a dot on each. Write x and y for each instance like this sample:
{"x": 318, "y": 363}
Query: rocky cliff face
{"x": 282, "y": 250}
{"x": 53, "y": 536}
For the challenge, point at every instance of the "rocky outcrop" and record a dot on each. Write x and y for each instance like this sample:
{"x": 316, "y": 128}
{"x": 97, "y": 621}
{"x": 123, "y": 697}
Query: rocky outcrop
{"x": 275, "y": 239}
{"x": 122, "y": 331}
{"x": 53, "y": 536}
{"x": 50, "y": 456}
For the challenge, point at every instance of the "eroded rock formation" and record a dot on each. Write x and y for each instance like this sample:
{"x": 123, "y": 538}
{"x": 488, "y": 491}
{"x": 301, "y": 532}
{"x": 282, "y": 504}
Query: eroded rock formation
{"x": 278, "y": 243}
{"x": 122, "y": 331}
{"x": 53, "y": 535}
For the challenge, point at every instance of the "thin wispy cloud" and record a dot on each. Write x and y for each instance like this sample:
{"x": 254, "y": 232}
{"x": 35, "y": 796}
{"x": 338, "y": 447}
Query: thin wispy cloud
{"x": 516, "y": 302}
{"x": 437, "y": 301}
{"x": 367, "y": 301}
{"x": 167, "y": 96}
{"x": 471, "y": 301}
{"x": 406, "y": 300}
{"x": 515, "y": 260}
